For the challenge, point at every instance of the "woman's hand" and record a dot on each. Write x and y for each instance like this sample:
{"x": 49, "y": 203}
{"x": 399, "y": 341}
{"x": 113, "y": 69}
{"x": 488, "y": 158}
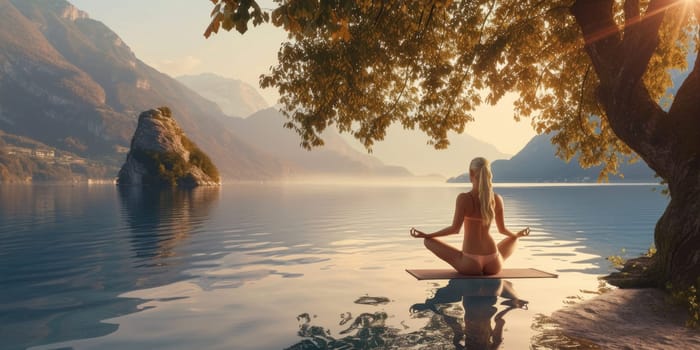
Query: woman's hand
{"x": 417, "y": 234}
{"x": 524, "y": 232}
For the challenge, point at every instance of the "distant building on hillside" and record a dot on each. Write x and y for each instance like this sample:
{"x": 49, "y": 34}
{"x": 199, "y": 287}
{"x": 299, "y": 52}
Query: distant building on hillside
{"x": 43, "y": 153}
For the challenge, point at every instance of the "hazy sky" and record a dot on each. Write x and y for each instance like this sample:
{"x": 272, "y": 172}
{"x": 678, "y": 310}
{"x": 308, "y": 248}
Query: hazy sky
{"x": 168, "y": 35}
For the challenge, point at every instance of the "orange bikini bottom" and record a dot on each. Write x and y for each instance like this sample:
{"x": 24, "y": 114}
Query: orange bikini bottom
{"x": 482, "y": 260}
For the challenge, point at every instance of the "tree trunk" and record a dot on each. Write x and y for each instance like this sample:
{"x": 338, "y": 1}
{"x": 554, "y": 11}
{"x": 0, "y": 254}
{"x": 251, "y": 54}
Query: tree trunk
{"x": 677, "y": 234}
{"x": 669, "y": 142}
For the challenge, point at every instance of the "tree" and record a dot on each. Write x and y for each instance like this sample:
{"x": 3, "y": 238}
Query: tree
{"x": 593, "y": 72}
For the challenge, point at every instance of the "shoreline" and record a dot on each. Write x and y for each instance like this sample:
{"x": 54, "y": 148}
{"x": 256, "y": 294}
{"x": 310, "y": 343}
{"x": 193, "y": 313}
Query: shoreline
{"x": 628, "y": 319}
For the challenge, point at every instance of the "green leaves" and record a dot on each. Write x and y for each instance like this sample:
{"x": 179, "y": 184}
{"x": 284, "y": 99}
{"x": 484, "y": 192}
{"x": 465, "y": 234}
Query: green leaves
{"x": 379, "y": 64}
{"x": 362, "y": 65}
{"x": 229, "y": 14}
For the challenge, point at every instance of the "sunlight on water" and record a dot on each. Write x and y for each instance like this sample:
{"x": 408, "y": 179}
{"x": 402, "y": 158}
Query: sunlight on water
{"x": 295, "y": 266}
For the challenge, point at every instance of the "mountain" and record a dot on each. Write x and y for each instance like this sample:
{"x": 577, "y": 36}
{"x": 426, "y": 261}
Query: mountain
{"x": 336, "y": 157}
{"x": 69, "y": 82}
{"x": 71, "y": 88}
{"x": 234, "y": 97}
{"x": 537, "y": 162}
{"x": 161, "y": 155}
{"x": 23, "y": 159}
{"x": 408, "y": 149}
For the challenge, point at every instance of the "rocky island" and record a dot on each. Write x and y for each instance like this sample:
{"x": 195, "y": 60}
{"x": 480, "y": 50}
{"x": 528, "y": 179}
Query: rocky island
{"x": 162, "y": 155}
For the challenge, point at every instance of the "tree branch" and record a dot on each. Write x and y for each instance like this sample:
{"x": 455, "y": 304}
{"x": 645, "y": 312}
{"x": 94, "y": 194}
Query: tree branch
{"x": 684, "y": 113}
{"x": 641, "y": 38}
{"x": 631, "y": 9}
{"x": 470, "y": 60}
{"x": 583, "y": 120}
{"x": 600, "y": 33}
{"x": 631, "y": 112}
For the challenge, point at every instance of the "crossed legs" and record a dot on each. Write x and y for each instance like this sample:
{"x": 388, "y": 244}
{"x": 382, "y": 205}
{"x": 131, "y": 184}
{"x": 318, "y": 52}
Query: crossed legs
{"x": 466, "y": 265}
{"x": 507, "y": 246}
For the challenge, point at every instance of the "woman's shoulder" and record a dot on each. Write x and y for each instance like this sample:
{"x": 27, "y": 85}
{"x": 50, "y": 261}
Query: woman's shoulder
{"x": 498, "y": 199}
{"x": 465, "y": 195}
{"x": 465, "y": 198}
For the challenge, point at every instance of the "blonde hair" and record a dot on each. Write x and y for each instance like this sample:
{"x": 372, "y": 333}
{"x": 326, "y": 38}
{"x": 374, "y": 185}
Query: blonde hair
{"x": 481, "y": 169}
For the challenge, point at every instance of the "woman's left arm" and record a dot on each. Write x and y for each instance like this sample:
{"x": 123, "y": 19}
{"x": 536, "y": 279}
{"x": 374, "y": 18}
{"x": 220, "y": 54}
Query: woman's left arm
{"x": 500, "y": 221}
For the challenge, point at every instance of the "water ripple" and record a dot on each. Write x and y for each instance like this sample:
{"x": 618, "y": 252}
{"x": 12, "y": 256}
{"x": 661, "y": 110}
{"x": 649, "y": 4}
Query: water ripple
{"x": 73, "y": 257}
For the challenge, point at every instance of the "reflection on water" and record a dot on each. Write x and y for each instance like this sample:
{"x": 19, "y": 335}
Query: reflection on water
{"x": 479, "y": 299}
{"x": 260, "y": 267}
{"x": 159, "y": 219}
{"x": 477, "y": 325}
{"x": 367, "y": 331}
{"x": 550, "y": 336}
{"x": 61, "y": 275}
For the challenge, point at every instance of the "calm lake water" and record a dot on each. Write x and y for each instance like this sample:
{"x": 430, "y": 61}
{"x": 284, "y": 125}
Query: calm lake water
{"x": 294, "y": 266}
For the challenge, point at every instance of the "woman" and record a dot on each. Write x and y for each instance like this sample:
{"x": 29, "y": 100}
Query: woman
{"x": 476, "y": 210}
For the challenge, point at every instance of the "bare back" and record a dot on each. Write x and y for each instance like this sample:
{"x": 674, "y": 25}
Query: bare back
{"x": 477, "y": 239}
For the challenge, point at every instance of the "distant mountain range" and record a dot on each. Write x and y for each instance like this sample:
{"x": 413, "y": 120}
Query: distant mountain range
{"x": 234, "y": 97}
{"x": 265, "y": 130}
{"x": 408, "y": 148}
{"x": 400, "y": 148}
{"x": 70, "y": 84}
{"x": 537, "y": 162}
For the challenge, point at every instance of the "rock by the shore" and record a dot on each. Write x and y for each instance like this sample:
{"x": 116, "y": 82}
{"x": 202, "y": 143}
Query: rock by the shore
{"x": 628, "y": 319}
{"x": 161, "y": 154}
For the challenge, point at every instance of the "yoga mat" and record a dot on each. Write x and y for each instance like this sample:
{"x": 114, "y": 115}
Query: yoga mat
{"x": 442, "y": 274}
